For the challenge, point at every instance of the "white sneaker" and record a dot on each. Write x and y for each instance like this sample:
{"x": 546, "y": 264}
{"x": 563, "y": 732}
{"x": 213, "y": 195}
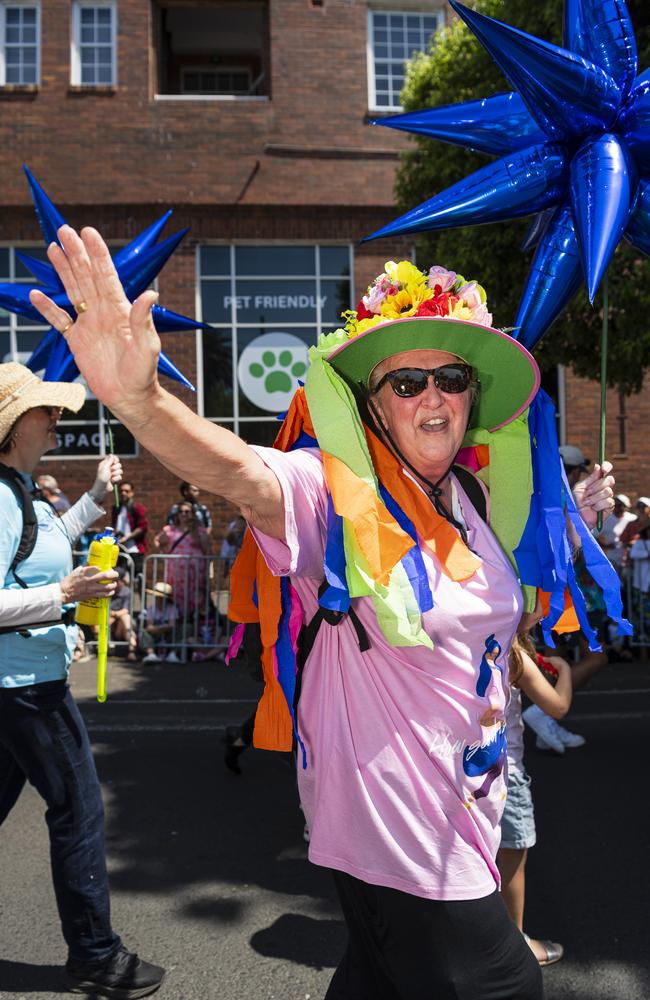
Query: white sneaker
{"x": 569, "y": 739}
{"x": 542, "y": 724}
{"x": 172, "y": 657}
{"x": 151, "y": 658}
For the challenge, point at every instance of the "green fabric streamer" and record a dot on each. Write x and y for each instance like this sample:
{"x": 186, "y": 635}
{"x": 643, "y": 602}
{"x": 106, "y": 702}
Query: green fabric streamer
{"x": 509, "y": 478}
{"x": 339, "y": 432}
{"x": 335, "y": 417}
{"x": 397, "y": 610}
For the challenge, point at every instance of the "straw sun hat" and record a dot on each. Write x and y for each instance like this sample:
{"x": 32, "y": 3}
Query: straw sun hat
{"x": 21, "y": 390}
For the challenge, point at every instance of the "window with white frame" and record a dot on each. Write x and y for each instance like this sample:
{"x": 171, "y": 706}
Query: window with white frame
{"x": 267, "y": 305}
{"x": 393, "y": 38}
{"x": 19, "y": 44}
{"x": 94, "y": 44}
{"x": 80, "y": 434}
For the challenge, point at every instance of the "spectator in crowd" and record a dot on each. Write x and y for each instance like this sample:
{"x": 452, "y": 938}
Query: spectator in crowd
{"x": 232, "y": 541}
{"x": 190, "y": 492}
{"x": 131, "y": 526}
{"x": 639, "y": 524}
{"x": 120, "y": 622}
{"x": 610, "y": 538}
{"x": 637, "y": 537}
{"x": 160, "y": 624}
{"x": 54, "y": 496}
{"x": 518, "y": 821}
{"x": 575, "y": 464}
{"x": 188, "y": 576}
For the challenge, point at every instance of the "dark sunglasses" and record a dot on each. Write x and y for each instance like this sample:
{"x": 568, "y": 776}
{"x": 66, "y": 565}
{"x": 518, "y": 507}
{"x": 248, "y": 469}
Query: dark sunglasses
{"x": 405, "y": 382}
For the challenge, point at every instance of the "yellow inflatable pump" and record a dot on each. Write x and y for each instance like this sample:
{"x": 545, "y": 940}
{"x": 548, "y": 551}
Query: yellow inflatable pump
{"x": 103, "y": 553}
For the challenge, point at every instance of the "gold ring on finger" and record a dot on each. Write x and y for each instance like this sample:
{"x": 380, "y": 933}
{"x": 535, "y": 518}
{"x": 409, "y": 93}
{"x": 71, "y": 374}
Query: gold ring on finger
{"x": 66, "y": 327}
{"x": 81, "y": 307}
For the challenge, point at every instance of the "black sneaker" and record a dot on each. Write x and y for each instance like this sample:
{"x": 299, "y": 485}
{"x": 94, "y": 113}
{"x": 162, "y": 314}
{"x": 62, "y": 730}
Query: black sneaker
{"x": 123, "y": 976}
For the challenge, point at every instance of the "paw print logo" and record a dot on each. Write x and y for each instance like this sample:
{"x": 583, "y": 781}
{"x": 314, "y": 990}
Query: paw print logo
{"x": 280, "y": 372}
{"x": 270, "y": 369}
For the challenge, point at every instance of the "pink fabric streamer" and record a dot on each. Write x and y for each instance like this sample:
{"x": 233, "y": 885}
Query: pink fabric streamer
{"x": 236, "y": 640}
{"x": 467, "y": 457}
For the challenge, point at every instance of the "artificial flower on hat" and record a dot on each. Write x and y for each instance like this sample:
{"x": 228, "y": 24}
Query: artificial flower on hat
{"x": 403, "y": 290}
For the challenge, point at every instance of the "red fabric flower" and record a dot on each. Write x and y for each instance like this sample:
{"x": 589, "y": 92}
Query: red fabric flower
{"x": 441, "y": 305}
{"x": 362, "y": 312}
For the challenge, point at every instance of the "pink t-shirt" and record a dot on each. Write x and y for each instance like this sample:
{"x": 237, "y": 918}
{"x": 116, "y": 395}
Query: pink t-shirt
{"x": 404, "y": 784}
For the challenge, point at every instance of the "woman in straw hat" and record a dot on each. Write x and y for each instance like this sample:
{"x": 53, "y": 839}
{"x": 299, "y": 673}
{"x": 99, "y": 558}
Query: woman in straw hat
{"x": 43, "y": 739}
{"x": 402, "y": 781}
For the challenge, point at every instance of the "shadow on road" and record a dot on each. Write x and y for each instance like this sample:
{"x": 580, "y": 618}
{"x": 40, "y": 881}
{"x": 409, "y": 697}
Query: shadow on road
{"x": 19, "y": 977}
{"x": 176, "y": 818}
{"x": 301, "y": 939}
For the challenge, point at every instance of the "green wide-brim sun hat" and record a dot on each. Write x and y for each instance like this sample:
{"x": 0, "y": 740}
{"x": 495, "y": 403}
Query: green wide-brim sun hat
{"x": 507, "y": 372}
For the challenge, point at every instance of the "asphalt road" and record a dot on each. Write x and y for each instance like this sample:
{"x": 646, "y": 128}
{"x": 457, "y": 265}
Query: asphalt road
{"x": 210, "y": 874}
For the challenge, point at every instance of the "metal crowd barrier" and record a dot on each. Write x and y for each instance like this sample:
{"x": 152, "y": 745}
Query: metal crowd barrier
{"x": 637, "y": 590}
{"x": 185, "y": 597}
{"x": 125, "y": 562}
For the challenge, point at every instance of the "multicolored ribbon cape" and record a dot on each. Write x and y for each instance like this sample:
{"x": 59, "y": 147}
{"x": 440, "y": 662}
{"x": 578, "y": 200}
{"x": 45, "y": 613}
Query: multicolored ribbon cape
{"x": 379, "y": 520}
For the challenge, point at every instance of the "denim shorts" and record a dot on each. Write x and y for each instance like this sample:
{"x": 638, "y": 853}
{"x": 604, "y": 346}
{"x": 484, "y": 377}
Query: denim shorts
{"x": 518, "y": 822}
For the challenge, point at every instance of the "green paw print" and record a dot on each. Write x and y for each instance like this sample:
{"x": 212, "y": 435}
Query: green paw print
{"x": 278, "y": 372}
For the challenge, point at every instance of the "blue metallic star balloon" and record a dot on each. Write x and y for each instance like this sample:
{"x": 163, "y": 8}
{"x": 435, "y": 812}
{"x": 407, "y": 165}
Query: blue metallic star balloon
{"x": 574, "y": 146}
{"x": 137, "y": 265}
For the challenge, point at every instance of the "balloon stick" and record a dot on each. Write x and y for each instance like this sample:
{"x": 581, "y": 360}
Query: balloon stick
{"x": 102, "y": 651}
{"x": 111, "y": 449}
{"x": 603, "y": 384}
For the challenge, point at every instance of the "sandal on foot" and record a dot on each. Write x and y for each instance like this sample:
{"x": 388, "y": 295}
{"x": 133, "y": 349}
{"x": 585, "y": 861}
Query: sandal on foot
{"x": 554, "y": 951}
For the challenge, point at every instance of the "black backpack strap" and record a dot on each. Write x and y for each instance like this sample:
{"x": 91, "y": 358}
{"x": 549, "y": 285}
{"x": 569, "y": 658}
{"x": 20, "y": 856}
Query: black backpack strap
{"x": 67, "y": 618}
{"x": 473, "y": 489}
{"x": 308, "y": 633}
{"x": 29, "y": 534}
{"x": 30, "y": 523}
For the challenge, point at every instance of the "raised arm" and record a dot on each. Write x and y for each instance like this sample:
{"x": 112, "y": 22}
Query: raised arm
{"x": 116, "y": 347}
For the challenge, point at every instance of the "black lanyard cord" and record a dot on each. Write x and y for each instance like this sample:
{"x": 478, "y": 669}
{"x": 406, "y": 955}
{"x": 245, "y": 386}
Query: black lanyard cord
{"x": 433, "y": 489}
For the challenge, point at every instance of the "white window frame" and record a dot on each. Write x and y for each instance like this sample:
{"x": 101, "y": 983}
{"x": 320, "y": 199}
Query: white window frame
{"x": 35, "y": 5}
{"x": 75, "y": 43}
{"x": 236, "y": 422}
{"x": 370, "y": 48}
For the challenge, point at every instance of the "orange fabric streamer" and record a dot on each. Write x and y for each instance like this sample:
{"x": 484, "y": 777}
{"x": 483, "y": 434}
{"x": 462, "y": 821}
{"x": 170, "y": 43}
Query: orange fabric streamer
{"x": 568, "y": 620}
{"x": 273, "y": 730}
{"x": 455, "y": 559}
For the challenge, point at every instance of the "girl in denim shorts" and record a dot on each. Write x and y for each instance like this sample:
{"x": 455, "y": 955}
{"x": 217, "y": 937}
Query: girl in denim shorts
{"x": 518, "y": 822}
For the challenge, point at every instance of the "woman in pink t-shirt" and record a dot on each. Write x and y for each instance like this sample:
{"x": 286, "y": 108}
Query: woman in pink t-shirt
{"x": 187, "y": 576}
{"x": 402, "y": 704}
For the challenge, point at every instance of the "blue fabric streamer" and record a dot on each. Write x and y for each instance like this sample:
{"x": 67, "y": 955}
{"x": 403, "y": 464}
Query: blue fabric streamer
{"x": 598, "y": 566}
{"x": 413, "y": 561}
{"x": 287, "y": 660}
{"x": 337, "y": 595}
{"x": 304, "y": 440}
{"x": 544, "y": 555}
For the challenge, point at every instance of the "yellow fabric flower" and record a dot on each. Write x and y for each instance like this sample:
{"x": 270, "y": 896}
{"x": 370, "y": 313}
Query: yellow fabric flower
{"x": 461, "y": 311}
{"x": 366, "y": 324}
{"x": 406, "y": 302}
{"x": 405, "y": 273}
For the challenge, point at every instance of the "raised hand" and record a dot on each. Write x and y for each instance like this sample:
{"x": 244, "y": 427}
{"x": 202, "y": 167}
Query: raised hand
{"x": 114, "y": 343}
{"x": 109, "y": 472}
{"x": 595, "y": 494}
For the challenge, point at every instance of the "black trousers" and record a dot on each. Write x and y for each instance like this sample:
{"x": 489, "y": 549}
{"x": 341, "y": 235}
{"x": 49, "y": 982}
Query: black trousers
{"x": 403, "y": 947}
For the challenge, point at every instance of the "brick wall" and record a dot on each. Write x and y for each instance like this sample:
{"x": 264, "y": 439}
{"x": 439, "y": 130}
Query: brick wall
{"x": 632, "y": 466}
